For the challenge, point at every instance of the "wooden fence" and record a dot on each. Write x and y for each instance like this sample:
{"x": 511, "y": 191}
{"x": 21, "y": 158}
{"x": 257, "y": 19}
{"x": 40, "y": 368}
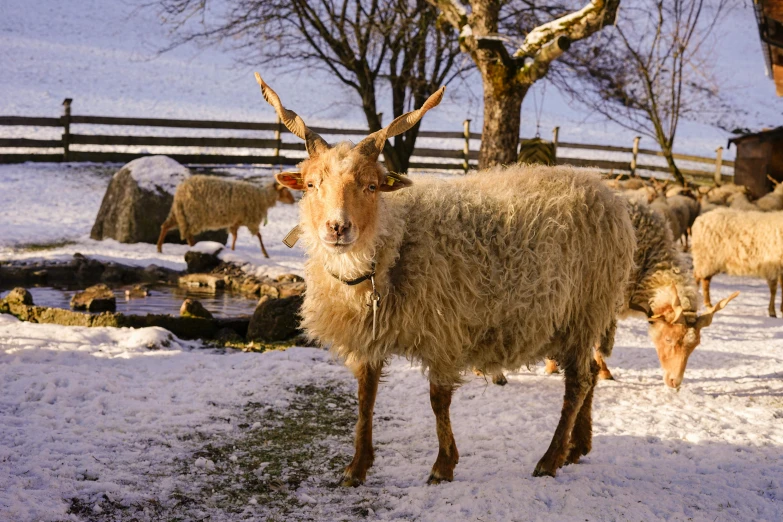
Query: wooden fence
{"x": 463, "y": 157}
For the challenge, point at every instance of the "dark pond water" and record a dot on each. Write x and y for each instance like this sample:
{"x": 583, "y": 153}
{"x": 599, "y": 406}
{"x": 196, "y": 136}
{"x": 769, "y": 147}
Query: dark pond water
{"x": 161, "y": 300}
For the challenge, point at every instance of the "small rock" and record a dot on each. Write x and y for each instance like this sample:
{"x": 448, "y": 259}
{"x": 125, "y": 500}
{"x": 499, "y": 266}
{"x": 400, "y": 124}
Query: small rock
{"x": 269, "y": 290}
{"x": 19, "y": 296}
{"x": 98, "y": 298}
{"x": 250, "y": 287}
{"x": 194, "y": 308}
{"x": 275, "y": 319}
{"x": 290, "y": 289}
{"x": 200, "y": 262}
{"x": 40, "y": 276}
{"x": 227, "y": 336}
{"x": 202, "y": 281}
{"x": 289, "y": 278}
{"x": 136, "y": 292}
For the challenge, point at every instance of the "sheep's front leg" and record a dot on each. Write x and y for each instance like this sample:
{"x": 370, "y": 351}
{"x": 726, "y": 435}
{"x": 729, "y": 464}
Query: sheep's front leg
{"x": 368, "y": 376}
{"x": 577, "y": 385}
{"x": 448, "y": 456}
{"x": 705, "y": 289}
{"x": 551, "y": 367}
{"x": 258, "y": 235}
{"x": 773, "y": 291}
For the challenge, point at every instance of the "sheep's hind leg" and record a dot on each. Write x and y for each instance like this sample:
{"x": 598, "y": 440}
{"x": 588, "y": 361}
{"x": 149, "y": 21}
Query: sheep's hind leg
{"x": 368, "y": 376}
{"x": 233, "y": 230}
{"x": 499, "y": 379}
{"x": 448, "y": 456}
{"x": 167, "y": 225}
{"x": 773, "y": 291}
{"x": 582, "y": 434}
{"x": 603, "y": 370}
{"x": 258, "y": 235}
{"x": 577, "y": 385}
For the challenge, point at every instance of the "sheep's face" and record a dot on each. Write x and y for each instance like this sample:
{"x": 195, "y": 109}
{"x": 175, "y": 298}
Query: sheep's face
{"x": 675, "y": 344}
{"x": 341, "y": 202}
{"x": 676, "y": 334}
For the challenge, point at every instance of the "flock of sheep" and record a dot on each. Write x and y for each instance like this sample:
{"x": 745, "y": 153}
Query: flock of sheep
{"x": 730, "y": 233}
{"x": 491, "y": 271}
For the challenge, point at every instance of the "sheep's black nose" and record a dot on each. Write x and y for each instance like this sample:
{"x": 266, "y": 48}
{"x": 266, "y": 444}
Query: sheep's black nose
{"x": 337, "y": 227}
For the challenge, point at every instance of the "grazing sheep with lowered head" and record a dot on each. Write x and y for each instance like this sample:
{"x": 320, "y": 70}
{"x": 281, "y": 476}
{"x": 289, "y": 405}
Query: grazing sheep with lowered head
{"x": 210, "y": 203}
{"x": 738, "y": 242}
{"x": 661, "y": 289}
{"x": 491, "y": 270}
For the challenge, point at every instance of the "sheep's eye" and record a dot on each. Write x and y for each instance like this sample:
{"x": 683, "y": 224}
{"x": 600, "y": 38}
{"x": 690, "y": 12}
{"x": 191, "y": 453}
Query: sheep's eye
{"x": 372, "y": 187}
{"x": 309, "y": 184}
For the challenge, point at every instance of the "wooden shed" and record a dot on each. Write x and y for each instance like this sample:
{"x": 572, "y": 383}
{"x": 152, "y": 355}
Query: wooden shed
{"x": 759, "y": 155}
{"x": 769, "y": 14}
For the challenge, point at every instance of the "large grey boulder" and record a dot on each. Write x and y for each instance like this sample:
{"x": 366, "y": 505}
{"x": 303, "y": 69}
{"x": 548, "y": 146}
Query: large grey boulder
{"x": 138, "y": 201}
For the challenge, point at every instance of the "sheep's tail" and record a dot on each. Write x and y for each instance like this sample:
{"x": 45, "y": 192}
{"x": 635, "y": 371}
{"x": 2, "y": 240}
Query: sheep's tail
{"x": 607, "y": 340}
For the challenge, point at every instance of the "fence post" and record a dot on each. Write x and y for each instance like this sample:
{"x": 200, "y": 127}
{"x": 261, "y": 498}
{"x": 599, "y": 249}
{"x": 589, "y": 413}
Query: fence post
{"x": 66, "y": 119}
{"x": 278, "y": 124}
{"x": 718, "y": 165}
{"x": 466, "y": 148}
{"x": 555, "y": 135}
{"x": 635, "y": 154}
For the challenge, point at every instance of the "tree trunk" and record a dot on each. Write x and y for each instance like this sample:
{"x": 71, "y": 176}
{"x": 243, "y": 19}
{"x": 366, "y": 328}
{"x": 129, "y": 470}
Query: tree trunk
{"x": 500, "y": 135}
{"x": 667, "y": 153}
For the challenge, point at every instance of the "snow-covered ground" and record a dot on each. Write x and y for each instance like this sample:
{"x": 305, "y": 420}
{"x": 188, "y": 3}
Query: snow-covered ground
{"x": 106, "y": 423}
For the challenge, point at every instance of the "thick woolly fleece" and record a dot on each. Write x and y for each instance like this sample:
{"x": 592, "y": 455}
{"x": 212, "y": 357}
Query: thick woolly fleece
{"x": 738, "y": 242}
{"x": 209, "y": 203}
{"x": 658, "y": 264}
{"x": 491, "y": 271}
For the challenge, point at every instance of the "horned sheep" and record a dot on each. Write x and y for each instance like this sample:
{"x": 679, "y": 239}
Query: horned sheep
{"x": 737, "y": 242}
{"x": 492, "y": 270}
{"x": 210, "y": 203}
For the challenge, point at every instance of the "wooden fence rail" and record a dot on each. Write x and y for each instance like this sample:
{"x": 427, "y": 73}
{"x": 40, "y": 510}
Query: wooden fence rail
{"x": 71, "y": 145}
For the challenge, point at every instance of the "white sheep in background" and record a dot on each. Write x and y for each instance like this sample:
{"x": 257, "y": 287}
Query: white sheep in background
{"x": 211, "y": 203}
{"x": 738, "y": 242}
{"x": 720, "y": 195}
{"x": 773, "y": 200}
{"x": 740, "y": 201}
{"x": 491, "y": 270}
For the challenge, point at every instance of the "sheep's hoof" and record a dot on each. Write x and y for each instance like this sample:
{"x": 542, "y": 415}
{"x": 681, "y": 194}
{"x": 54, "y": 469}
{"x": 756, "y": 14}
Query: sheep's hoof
{"x": 605, "y": 376}
{"x": 435, "y": 478}
{"x": 500, "y": 380}
{"x": 350, "y": 482}
{"x": 543, "y": 471}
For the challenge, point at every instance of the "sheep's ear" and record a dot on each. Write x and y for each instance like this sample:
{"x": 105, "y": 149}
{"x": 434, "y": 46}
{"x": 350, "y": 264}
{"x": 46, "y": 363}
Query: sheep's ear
{"x": 292, "y": 180}
{"x": 394, "y": 182}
